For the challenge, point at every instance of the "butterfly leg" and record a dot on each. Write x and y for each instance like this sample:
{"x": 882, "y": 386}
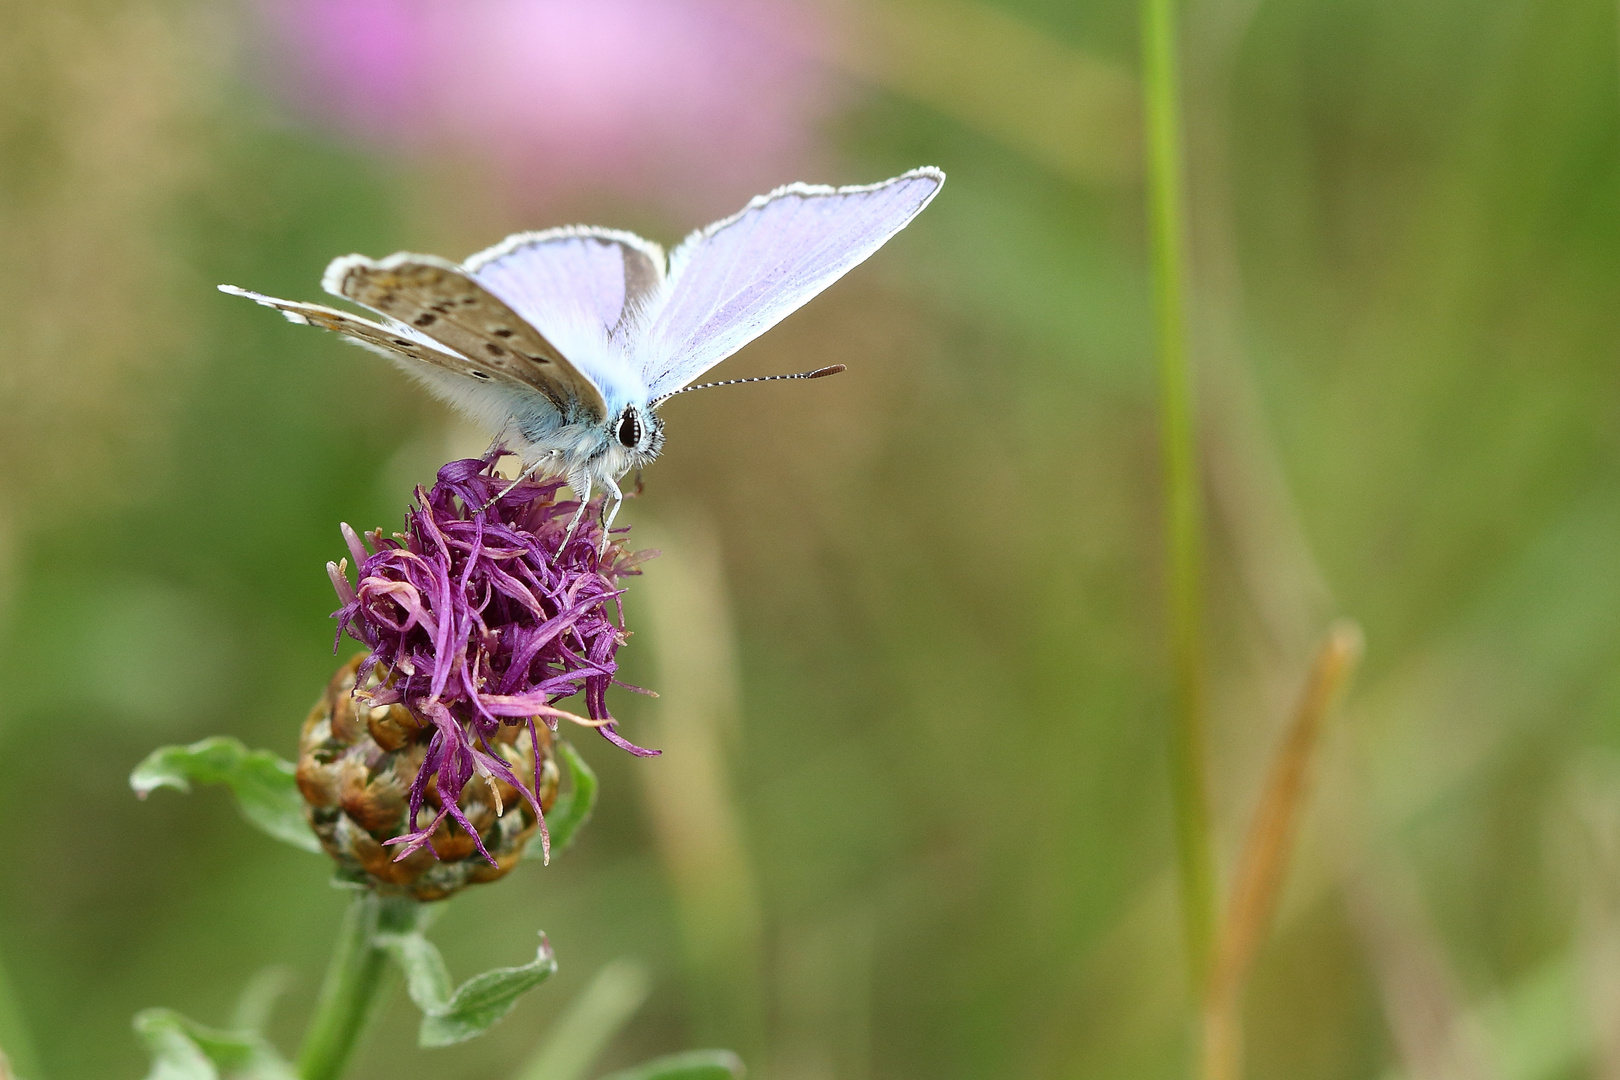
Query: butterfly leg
{"x": 610, "y": 510}
{"x": 581, "y": 483}
{"x": 508, "y": 489}
{"x": 527, "y": 472}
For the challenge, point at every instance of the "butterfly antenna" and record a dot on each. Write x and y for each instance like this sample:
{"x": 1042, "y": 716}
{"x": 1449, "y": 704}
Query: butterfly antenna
{"x": 830, "y": 369}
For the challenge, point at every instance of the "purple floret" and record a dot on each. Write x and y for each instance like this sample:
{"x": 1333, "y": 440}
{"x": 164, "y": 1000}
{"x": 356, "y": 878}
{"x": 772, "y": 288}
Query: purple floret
{"x": 478, "y": 620}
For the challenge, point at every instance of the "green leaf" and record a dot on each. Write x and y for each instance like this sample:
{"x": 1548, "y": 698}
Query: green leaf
{"x": 573, "y": 807}
{"x": 452, "y": 1017}
{"x": 691, "y": 1065}
{"x": 183, "y": 1049}
{"x": 427, "y": 980}
{"x": 259, "y": 998}
{"x": 264, "y": 785}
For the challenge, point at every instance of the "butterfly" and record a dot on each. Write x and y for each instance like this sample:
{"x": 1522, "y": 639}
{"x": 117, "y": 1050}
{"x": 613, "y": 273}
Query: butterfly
{"x": 566, "y": 342}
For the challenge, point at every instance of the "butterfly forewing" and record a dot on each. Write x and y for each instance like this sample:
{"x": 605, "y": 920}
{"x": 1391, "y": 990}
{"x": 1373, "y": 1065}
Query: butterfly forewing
{"x": 443, "y": 302}
{"x": 588, "y": 290}
{"x": 733, "y": 281}
{"x": 551, "y": 277}
{"x": 395, "y": 341}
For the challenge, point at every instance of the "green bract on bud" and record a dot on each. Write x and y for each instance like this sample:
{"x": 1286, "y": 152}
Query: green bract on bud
{"x": 356, "y": 765}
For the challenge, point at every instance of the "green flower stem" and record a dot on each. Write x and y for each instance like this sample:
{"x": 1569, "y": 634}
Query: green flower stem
{"x": 1183, "y": 510}
{"x": 356, "y": 984}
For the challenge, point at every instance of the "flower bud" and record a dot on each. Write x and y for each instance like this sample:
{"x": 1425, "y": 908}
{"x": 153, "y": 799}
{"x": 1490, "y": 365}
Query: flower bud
{"x": 356, "y": 765}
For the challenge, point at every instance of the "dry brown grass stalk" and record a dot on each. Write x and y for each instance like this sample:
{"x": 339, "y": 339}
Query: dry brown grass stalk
{"x": 1263, "y": 862}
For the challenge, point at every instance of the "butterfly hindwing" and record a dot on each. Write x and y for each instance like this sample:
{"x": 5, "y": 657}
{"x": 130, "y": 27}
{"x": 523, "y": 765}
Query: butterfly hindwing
{"x": 443, "y": 302}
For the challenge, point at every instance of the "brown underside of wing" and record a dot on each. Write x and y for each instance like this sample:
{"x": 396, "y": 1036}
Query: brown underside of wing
{"x": 449, "y": 306}
{"x": 340, "y": 322}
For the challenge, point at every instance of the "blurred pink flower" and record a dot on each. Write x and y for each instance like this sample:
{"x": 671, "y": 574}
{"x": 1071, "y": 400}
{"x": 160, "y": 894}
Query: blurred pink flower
{"x": 646, "y": 98}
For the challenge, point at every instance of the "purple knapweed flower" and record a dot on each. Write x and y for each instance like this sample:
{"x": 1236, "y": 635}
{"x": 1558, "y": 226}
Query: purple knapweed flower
{"x": 663, "y": 101}
{"x": 485, "y": 611}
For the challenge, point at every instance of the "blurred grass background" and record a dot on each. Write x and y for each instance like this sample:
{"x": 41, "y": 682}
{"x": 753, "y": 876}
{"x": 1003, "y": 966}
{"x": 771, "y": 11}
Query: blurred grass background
{"x": 908, "y": 626}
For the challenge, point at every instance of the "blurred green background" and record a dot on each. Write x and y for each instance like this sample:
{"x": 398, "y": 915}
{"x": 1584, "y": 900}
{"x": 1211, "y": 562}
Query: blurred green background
{"x": 913, "y": 819}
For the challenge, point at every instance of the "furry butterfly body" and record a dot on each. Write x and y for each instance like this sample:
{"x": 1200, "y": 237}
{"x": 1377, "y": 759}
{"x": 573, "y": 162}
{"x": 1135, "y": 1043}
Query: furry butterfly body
{"x": 565, "y": 342}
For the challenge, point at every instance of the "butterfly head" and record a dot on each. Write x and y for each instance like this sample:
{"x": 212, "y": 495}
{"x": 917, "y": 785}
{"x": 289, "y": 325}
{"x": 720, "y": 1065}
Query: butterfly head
{"x": 634, "y": 436}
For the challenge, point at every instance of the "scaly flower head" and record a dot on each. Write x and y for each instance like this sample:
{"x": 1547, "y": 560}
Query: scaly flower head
{"x": 483, "y": 614}
{"x": 356, "y": 766}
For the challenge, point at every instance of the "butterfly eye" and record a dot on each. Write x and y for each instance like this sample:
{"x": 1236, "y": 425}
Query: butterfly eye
{"x": 629, "y": 433}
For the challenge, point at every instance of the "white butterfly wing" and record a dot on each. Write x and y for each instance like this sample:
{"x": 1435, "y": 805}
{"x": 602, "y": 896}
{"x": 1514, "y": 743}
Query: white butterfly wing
{"x": 731, "y": 282}
{"x": 581, "y": 287}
